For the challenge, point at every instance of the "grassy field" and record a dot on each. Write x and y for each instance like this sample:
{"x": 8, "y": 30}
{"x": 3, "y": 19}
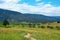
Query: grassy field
{"x": 38, "y": 33}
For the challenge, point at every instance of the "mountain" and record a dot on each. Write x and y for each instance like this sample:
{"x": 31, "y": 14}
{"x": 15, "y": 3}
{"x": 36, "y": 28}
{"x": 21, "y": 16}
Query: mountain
{"x": 57, "y": 17}
{"x": 40, "y": 18}
{"x": 14, "y": 16}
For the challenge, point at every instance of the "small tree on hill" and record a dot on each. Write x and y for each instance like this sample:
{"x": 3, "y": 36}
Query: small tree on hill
{"x": 58, "y": 21}
{"x": 5, "y": 22}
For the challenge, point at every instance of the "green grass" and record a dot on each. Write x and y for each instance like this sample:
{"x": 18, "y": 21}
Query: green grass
{"x": 38, "y": 33}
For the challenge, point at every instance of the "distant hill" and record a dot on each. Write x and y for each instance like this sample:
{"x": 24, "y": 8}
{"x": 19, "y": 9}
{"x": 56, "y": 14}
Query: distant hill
{"x": 56, "y": 17}
{"x": 14, "y": 16}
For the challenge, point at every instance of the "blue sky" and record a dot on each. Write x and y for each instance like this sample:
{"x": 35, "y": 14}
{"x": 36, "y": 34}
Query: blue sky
{"x": 33, "y": 2}
{"x": 45, "y": 7}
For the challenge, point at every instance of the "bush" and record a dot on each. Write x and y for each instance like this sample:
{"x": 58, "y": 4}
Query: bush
{"x": 50, "y": 27}
{"x": 33, "y": 25}
{"x": 42, "y": 26}
{"x": 58, "y": 21}
{"x": 58, "y": 28}
{"x": 6, "y": 23}
{"x": 30, "y": 25}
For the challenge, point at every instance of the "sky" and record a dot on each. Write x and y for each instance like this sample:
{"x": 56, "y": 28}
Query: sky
{"x": 44, "y": 7}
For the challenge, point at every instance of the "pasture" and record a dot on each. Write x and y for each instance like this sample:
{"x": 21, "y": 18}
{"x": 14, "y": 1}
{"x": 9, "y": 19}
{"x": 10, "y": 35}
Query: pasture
{"x": 16, "y": 33}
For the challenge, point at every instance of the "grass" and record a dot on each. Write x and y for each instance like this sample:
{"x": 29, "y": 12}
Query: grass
{"x": 38, "y": 33}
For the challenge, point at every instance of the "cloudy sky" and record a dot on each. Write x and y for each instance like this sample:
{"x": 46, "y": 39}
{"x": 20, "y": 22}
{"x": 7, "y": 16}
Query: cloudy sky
{"x": 45, "y": 7}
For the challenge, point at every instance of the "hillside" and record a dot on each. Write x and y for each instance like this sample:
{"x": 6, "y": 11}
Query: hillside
{"x": 14, "y": 16}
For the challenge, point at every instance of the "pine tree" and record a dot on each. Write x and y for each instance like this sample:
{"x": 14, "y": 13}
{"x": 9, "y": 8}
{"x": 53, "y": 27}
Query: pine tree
{"x": 5, "y": 22}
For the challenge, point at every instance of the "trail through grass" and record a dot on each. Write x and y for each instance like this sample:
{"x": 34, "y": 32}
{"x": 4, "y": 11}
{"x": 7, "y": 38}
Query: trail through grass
{"x": 37, "y": 33}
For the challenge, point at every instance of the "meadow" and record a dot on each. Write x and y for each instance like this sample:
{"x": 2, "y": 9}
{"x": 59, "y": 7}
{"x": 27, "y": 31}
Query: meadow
{"x": 40, "y": 32}
{"x": 37, "y": 33}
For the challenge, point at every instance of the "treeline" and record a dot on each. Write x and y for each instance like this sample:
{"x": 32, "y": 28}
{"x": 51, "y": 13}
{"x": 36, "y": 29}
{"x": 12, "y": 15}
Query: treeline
{"x": 7, "y": 24}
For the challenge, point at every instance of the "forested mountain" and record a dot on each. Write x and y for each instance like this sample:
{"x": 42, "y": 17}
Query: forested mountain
{"x": 14, "y": 16}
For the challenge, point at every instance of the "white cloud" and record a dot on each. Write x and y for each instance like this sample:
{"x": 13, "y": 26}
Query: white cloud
{"x": 41, "y": 8}
{"x": 11, "y": 1}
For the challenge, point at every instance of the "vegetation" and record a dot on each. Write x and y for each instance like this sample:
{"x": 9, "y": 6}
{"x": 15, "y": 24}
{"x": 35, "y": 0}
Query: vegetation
{"x": 54, "y": 25}
{"x": 38, "y": 33}
{"x": 58, "y": 21}
{"x": 18, "y": 31}
{"x": 58, "y": 28}
{"x": 50, "y": 27}
{"x": 42, "y": 26}
{"x": 5, "y": 22}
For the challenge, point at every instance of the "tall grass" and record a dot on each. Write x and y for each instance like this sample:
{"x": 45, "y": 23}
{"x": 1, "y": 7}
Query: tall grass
{"x": 38, "y": 33}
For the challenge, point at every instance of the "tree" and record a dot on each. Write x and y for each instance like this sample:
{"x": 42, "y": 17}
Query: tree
{"x": 5, "y": 22}
{"x": 33, "y": 25}
{"x": 30, "y": 25}
{"x": 50, "y": 27}
{"x": 58, "y": 21}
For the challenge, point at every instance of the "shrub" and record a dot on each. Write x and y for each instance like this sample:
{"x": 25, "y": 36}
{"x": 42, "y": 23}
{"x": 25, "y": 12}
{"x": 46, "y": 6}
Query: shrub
{"x": 22, "y": 25}
{"x": 58, "y": 21}
{"x": 50, "y": 27}
{"x": 58, "y": 28}
{"x": 30, "y": 25}
{"x": 33, "y": 25}
{"x": 42, "y": 26}
{"x": 6, "y": 23}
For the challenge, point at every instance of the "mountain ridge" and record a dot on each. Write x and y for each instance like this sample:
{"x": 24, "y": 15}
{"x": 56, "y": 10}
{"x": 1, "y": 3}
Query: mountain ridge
{"x": 14, "y": 16}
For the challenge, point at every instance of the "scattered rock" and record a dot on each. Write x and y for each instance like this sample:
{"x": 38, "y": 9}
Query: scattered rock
{"x": 33, "y": 38}
{"x": 28, "y": 35}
